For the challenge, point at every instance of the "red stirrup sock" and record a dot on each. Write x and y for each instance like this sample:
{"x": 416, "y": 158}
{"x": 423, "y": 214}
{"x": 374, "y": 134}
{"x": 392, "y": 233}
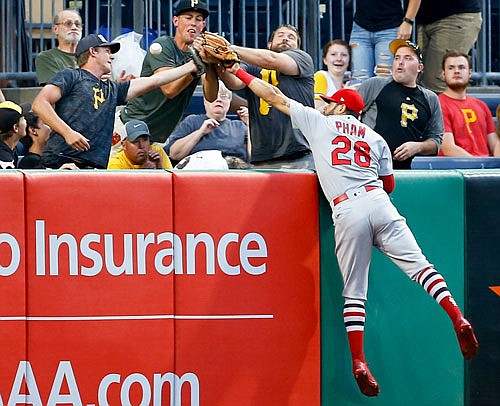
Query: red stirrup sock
{"x": 355, "y": 339}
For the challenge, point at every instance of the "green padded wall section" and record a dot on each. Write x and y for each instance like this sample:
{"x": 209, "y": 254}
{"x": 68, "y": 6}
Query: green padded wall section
{"x": 409, "y": 341}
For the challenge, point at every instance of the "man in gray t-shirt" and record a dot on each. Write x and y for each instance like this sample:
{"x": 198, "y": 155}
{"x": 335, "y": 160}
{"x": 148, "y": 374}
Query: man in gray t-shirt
{"x": 275, "y": 144}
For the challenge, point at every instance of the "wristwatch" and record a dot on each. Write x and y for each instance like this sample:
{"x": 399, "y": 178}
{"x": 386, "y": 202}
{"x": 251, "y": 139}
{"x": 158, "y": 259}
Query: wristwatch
{"x": 408, "y": 20}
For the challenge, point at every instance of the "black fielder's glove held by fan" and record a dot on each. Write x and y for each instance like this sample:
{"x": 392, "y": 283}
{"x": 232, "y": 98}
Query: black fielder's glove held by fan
{"x": 200, "y": 65}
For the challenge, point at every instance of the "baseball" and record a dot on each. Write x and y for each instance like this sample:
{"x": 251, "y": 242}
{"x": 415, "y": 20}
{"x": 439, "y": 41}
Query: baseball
{"x": 155, "y": 48}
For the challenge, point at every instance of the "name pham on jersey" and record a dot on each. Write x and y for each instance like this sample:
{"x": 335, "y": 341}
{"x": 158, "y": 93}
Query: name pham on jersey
{"x": 351, "y": 129}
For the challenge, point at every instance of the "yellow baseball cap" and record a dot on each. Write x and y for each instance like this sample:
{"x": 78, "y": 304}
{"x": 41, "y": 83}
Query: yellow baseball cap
{"x": 398, "y": 43}
{"x": 10, "y": 113}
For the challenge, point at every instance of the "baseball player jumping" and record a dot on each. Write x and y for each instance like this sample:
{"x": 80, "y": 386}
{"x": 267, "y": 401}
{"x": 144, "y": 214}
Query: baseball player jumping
{"x": 354, "y": 168}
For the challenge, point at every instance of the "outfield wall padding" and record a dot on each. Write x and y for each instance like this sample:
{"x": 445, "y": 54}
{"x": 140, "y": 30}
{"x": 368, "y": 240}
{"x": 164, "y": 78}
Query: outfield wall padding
{"x": 155, "y": 288}
{"x": 217, "y": 299}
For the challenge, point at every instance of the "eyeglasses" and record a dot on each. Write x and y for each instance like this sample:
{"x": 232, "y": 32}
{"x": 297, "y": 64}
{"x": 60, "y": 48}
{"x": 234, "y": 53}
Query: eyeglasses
{"x": 224, "y": 96}
{"x": 69, "y": 24}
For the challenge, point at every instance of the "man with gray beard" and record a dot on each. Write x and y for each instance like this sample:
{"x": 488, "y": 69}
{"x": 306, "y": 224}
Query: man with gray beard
{"x": 67, "y": 27}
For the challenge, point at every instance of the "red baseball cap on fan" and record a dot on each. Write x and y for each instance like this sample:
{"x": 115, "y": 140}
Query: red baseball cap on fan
{"x": 349, "y": 98}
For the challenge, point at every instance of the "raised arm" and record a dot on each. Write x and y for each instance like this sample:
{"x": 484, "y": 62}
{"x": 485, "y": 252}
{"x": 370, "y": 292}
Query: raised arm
{"x": 161, "y": 77}
{"x": 173, "y": 88}
{"x": 268, "y": 59}
{"x": 210, "y": 83}
{"x": 230, "y": 80}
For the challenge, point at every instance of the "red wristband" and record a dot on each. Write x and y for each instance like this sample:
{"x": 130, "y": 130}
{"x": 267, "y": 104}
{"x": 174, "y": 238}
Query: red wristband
{"x": 244, "y": 76}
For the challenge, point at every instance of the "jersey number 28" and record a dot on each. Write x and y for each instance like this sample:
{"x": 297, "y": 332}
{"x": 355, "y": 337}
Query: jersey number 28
{"x": 344, "y": 145}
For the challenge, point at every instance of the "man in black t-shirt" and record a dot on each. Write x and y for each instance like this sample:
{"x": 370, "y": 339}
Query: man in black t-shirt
{"x": 408, "y": 116}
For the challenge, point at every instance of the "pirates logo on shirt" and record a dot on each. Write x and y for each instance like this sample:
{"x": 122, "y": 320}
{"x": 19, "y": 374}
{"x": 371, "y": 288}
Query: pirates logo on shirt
{"x": 408, "y": 112}
{"x": 268, "y": 76}
{"x": 98, "y": 97}
{"x": 469, "y": 117}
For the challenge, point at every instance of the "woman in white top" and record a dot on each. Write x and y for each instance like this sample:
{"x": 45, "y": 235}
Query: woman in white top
{"x": 336, "y": 57}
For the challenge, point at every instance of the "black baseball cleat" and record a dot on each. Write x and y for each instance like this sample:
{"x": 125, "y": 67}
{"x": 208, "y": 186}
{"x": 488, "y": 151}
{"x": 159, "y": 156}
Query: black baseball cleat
{"x": 366, "y": 382}
{"x": 466, "y": 338}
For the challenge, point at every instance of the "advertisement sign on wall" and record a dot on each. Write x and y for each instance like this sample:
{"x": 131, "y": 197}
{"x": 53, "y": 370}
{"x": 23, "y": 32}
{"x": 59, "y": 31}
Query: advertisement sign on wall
{"x": 164, "y": 289}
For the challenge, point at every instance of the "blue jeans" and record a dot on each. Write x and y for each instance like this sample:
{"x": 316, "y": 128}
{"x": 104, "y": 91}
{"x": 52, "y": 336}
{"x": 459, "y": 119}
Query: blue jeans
{"x": 370, "y": 53}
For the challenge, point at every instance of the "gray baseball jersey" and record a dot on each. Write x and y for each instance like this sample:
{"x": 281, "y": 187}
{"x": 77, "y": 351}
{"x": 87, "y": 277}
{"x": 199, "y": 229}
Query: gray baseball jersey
{"x": 347, "y": 153}
{"x": 349, "y": 156}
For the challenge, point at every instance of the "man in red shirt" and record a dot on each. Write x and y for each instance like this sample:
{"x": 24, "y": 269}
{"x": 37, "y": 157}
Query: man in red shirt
{"x": 469, "y": 129}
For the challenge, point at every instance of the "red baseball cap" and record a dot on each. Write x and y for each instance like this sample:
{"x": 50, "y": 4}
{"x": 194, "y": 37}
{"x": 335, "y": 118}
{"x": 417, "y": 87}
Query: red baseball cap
{"x": 348, "y": 97}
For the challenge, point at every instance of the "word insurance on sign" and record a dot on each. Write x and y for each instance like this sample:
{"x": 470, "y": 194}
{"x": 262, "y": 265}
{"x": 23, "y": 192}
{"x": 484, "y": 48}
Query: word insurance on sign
{"x": 92, "y": 253}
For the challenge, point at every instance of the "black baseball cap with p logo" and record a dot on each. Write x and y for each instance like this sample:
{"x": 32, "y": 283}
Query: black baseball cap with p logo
{"x": 195, "y": 5}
